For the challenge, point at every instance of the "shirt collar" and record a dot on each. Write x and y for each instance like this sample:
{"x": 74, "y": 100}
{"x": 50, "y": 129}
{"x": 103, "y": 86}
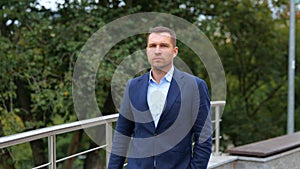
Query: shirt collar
{"x": 167, "y": 77}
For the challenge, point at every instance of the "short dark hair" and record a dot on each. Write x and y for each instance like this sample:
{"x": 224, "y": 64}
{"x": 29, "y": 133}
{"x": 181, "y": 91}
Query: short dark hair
{"x": 161, "y": 29}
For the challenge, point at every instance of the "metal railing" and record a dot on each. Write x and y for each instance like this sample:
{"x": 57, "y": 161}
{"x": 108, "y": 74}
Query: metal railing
{"x": 53, "y": 131}
{"x": 217, "y": 105}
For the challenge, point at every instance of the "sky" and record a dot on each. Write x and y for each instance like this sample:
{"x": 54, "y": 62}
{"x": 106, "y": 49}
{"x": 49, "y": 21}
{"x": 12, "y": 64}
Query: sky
{"x": 50, "y": 3}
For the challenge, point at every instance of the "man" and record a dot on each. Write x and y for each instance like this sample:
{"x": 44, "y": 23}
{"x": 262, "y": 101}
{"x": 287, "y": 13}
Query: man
{"x": 162, "y": 113}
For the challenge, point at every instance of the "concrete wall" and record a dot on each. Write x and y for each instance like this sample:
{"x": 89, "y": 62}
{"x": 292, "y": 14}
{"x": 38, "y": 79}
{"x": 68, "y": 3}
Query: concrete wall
{"x": 285, "y": 160}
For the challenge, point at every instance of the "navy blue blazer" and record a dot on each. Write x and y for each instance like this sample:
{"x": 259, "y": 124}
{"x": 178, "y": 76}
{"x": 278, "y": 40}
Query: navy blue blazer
{"x": 185, "y": 119}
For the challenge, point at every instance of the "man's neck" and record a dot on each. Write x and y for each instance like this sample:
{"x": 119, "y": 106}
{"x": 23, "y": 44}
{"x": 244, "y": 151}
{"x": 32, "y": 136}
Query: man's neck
{"x": 158, "y": 74}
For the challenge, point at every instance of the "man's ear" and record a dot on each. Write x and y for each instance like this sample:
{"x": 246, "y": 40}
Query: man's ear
{"x": 175, "y": 52}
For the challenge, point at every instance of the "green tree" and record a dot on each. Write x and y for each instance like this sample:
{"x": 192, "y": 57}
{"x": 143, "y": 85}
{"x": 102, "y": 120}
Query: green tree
{"x": 38, "y": 53}
{"x": 253, "y": 47}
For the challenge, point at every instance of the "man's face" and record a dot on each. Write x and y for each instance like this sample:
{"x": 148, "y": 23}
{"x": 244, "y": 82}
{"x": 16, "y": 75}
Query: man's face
{"x": 160, "y": 51}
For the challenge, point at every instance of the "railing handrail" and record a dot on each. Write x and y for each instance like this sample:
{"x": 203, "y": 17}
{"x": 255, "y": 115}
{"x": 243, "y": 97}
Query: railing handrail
{"x": 218, "y": 103}
{"x": 27, "y": 136}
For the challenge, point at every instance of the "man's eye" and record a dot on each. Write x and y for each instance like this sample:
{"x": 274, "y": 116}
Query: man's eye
{"x": 164, "y": 45}
{"x": 152, "y": 46}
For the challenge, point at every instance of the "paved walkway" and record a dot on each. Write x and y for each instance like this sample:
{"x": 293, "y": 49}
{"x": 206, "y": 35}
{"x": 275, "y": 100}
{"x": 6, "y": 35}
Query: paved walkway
{"x": 219, "y": 160}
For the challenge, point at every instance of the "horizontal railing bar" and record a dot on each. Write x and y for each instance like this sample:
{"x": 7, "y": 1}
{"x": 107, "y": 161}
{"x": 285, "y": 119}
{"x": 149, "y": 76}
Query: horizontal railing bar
{"x": 71, "y": 156}
{"x": 54, "y": 130}
{"x": 78, "y": 154}
{"x": 41, "y": 166}
{"x": 214, "y": 138}
{"x": 213, "y": 121}
{"x": 218, "y": 103}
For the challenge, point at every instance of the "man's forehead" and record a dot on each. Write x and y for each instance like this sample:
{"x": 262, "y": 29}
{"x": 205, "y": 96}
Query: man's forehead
{"x": 166, "y": 34}
{"x": 160, "y": 36}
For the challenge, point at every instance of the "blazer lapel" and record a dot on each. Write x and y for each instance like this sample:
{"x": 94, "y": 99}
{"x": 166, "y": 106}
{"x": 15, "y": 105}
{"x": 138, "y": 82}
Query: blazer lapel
{"x": 139, "y": 94}
{"x": 174, "y": 92}
{"x": 138, "y": 97}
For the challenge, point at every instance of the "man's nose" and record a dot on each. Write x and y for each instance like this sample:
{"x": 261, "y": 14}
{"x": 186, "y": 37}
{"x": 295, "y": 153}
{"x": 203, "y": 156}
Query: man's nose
{"x": 157, "y": 49}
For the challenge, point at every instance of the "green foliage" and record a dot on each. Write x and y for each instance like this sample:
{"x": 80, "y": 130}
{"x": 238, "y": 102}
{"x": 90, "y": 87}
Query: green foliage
{"x": 253, "y": 48}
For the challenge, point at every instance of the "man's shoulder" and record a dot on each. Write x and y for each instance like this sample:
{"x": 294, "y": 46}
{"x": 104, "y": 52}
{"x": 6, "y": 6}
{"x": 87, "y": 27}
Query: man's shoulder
{"x": 191, "y": 76}
{"x": 144, "y": 76}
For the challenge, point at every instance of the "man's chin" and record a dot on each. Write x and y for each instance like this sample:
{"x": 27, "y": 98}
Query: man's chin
{"x": 161, "y": 68}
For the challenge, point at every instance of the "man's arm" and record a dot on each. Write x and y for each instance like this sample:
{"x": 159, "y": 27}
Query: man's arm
{"x": 123, "y": 132}
{"x": 202, "y": 130}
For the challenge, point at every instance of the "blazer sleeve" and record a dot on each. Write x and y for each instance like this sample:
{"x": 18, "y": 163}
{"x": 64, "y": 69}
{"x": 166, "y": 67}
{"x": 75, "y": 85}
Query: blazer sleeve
{"x": 202, "y": 130}
{"x": 123, "y": 133}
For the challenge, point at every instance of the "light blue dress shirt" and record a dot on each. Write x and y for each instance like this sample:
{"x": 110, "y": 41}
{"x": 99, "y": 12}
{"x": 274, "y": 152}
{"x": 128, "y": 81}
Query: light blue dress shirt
{"x": 157, "y": 94}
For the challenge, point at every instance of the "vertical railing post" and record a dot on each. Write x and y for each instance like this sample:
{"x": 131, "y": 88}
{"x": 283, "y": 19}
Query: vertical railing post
{"x": 217, "y": 127}
{"x": 52, "y": 151}
{"x": 109, "y": 136}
